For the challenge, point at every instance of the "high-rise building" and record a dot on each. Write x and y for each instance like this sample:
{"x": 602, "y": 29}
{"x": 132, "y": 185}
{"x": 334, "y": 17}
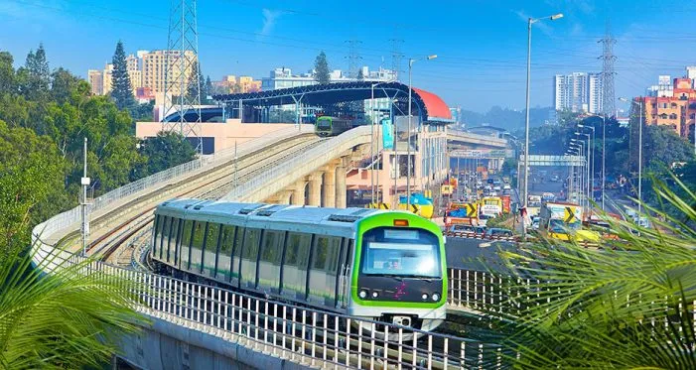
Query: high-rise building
{"x": 677, "y": 111}
{"x": 154, "y": 67}
{"x": 96, "y": 81}
{"x": 108, "y": 71}
{"x": 135, "y": 74}
{"x": 578, "y": 92}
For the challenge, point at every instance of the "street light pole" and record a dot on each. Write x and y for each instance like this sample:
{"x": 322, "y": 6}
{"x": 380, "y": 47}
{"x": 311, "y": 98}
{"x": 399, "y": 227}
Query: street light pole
{"x": 593, "y": 158}
{"x": 408, "y": 135}
{"x": 530, "y": 22}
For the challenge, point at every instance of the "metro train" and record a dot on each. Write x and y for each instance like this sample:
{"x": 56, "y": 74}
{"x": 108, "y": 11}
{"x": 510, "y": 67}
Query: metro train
{"x": 387, "y": 266}
{"x": 331, "y": 126}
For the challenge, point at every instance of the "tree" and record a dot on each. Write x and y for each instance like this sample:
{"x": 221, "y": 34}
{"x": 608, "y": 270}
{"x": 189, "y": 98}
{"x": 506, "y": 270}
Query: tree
{"x": 121, "y": 90}
{"x": 207, "y": 90}
{"x": 8, "y": 80}
{"x": 63, "y": 84}
{"x": 626, "y": 306}
{"x": 321, "y": 69}
{"x": 36, "y": 75}
{"x": 167, "y": 149}
{"x": 194, "y": 91}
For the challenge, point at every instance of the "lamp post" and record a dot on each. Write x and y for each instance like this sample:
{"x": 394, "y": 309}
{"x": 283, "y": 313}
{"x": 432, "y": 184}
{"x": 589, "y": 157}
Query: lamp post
{"x": 372, "y": 140}
{"x": 580, "y": 145}
{"x": 589, "y": 161}
{"x": 530, "y": 22}
{"x": 594, "y": 159}
{"x": 640, "y": 153}
{"x": 411, "y": 61}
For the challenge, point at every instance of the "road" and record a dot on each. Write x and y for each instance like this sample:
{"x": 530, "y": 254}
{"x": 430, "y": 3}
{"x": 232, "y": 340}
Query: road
{"x": 474, "y": 254}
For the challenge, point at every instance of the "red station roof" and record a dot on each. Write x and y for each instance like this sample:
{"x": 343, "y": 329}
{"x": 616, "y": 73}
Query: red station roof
{"x": 437, "y": 109}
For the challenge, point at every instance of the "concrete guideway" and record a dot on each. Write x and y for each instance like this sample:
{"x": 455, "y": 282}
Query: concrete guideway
{"x": 290, "y": 155}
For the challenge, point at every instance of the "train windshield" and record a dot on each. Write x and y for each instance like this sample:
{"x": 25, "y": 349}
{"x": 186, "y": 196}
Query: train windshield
{"x": 400, "y": 252}
{"x": 324, "y": 123}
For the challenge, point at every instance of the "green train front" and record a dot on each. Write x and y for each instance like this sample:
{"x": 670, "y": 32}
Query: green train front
{"x": 387, "y": 266}
{"x": 399, "y": 272}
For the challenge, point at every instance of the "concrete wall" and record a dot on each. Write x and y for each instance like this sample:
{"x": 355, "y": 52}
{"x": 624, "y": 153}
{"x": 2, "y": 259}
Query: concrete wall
{"x": 225, "y": 134}
{"x": 165, "y": 345}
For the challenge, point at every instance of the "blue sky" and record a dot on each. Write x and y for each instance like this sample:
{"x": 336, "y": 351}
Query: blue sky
{"x": 481, "y": 44}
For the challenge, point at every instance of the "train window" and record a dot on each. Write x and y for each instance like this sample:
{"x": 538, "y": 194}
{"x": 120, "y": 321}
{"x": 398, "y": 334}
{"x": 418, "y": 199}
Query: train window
{"x": 392, "y": 251}
{"x": 183, "y": 253}
{"x": 197, "y": 241}
{"x": 322, "y": 279}
{"x": 237, "y": 256}
{"x": 225, "y": 254}
{"x": 269, "y": 261}
{"x": 173, "y": 237}
{"x": 155, "y": 234}
{"x": 250, "y": 252}
{"x": 343, "y": 283}
{"x": 165, "y": 235}
{"x": 295, "y": 266}
{"x": 211, "y": 241}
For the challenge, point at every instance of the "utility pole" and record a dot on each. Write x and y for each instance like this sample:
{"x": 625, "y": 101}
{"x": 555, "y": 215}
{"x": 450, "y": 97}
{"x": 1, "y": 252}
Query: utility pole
{"x": 396, "y": 57}
{"x": 608, "y": 58}
{"x": 181, "y": 57}
{"x": 353, "y": 57}
{"x": 84, "y": 181}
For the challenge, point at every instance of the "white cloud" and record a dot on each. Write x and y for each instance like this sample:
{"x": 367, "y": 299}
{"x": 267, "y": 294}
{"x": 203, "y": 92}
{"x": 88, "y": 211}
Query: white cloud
{"x": 269, "y": 20}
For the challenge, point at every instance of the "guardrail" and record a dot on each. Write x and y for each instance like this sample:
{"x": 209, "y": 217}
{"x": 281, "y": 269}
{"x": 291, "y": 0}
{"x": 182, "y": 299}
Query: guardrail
{"x": 73, "y": 216}
{"x": 284, "y": 174}
{"x": 299, "y": 334}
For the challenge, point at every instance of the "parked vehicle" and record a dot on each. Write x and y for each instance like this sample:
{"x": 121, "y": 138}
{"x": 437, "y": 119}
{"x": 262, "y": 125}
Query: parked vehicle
{"x": 494, "y": 231}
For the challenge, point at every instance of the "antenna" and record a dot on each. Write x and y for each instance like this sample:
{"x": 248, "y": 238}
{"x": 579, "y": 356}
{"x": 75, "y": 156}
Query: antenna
{"x": 608, "y": 58}
{"x": 182, "y": 85}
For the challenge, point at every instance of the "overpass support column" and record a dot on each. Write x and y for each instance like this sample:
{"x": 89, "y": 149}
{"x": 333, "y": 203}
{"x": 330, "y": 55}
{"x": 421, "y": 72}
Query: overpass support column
{"x": 341, "y": 185}
{"x": 281, "y": 197}
{"x": 315, "y": 182}
{"x": 298, "y": 193}
{"x": 329, "y": 200}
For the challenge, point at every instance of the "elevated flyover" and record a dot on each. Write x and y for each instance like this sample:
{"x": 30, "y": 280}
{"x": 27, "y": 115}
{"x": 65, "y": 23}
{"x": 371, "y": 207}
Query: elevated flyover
{"x": 470, "y": 140}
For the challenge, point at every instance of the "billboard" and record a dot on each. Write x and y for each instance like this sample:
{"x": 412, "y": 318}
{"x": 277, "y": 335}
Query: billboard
{"x": 387, "y": 134}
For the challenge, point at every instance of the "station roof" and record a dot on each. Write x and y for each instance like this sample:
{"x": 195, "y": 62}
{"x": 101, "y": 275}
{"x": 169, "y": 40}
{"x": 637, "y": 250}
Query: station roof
{"x": 430, "y": 106}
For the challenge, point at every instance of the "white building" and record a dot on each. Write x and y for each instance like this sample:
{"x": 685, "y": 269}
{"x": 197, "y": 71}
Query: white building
{"x": 578, "y": 92}
{"x": 282, "y": 78}
{"x": 664, "y": 87}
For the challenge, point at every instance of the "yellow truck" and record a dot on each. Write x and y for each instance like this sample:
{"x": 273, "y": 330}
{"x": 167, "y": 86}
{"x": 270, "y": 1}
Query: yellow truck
{"x": 563, "y": 221}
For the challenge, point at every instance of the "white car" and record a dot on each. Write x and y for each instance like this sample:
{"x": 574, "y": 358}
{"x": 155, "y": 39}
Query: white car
{"x": 507, "y": 187}
{"x": 497, "y": 188}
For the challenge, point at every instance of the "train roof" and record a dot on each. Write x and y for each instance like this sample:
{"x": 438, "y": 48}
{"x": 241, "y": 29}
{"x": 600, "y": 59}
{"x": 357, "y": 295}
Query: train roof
{"x": 260, "y": 214}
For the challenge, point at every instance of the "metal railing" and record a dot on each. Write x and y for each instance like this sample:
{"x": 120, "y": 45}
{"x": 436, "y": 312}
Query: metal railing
{"x": 280, "y": 175}
{"x": 304, "y": 335}
{"x": 71, "y": 217}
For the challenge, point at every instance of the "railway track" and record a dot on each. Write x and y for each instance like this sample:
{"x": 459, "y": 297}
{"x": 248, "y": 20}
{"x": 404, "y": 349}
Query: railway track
{"x": 219, "y": 181}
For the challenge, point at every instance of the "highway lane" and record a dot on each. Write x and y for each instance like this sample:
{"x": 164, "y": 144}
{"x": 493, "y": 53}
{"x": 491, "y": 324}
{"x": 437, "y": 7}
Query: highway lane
{"x": 475, "y": 254}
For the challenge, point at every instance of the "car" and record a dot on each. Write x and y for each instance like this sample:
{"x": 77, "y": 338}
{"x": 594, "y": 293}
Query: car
{"x": 507, "y": 187}
{"x": 480, "y": 229}
{"x": 495, "y": 231}
{"x": 462, "y": 228}
{"x": 535, "y": 222}
{"x": 497, "y": 188}
{"x": 490, "y": 181}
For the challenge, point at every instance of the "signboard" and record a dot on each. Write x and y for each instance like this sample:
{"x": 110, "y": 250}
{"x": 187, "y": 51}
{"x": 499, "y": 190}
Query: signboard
{"x": 447, "y": 189}
{"x": 387, "y": 134}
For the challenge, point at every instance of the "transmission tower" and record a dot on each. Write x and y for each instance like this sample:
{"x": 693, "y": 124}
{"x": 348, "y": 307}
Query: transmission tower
{"x": 353, "y": 57}
{"x": 182, "y": 85}
{"x": 396, "y": 57}
{"x": 608, "y": 58}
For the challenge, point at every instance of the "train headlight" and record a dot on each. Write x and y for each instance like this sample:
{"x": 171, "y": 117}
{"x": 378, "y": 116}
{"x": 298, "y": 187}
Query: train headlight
{"x": 374, "y": 294}
{"x": 363, "y": 294}
{"x": 436, "y": 297}
{"x": 425, "y": 296}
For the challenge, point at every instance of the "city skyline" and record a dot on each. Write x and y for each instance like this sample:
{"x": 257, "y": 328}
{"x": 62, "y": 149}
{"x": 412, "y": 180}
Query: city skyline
{"x": 475, "y": 75}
